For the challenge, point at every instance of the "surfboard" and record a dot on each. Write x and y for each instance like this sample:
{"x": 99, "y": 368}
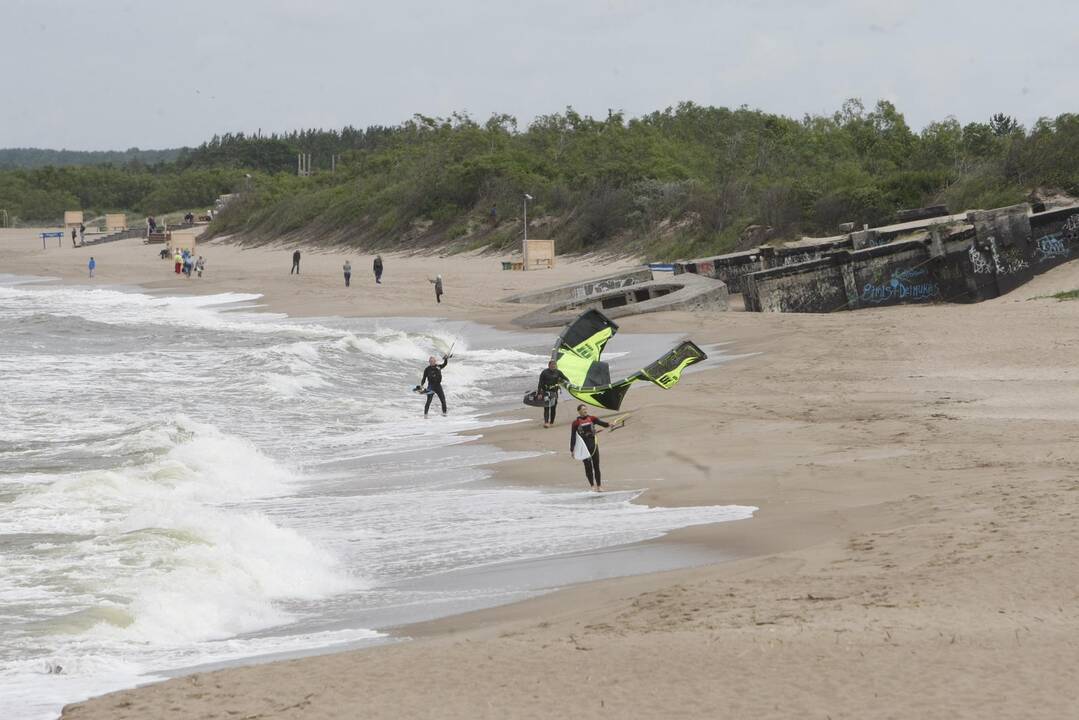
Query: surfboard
{"x": 580, "y": 450}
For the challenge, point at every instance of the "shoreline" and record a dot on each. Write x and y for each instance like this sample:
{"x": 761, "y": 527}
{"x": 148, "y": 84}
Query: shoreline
{"x": 915, "y": 473}
{"x": 650, "y": 550}
{"x": 634, "y": 551}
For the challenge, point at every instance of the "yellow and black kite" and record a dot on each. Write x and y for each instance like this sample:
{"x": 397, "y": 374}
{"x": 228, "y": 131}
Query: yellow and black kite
{"x": 578, "y": 352}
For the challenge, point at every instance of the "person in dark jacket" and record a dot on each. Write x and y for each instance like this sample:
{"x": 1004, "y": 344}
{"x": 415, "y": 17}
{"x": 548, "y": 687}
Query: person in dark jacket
{"x": 550, "y": 382}
{"x": 584, "y": 430}
{"x": 295, "y": 263}
{"x": 431, "y": 382}
{"x": 378, "y": 269}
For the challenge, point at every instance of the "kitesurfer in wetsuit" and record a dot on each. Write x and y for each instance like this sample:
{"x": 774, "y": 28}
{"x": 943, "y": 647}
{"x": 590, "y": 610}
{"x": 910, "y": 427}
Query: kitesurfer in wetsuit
{"x": 432, "y": 379}
{"x": 585, "y": 427}
{"x": 549, "y": 382}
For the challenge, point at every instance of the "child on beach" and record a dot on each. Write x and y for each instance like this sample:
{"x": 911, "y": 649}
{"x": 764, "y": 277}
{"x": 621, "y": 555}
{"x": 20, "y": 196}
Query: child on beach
{"x": 179, "y": 260}
{"x": 200, "y": 265}
{"x": 92, "y": 264}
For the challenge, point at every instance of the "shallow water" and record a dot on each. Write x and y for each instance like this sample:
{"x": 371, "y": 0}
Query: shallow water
{"x": 185, "y": 481}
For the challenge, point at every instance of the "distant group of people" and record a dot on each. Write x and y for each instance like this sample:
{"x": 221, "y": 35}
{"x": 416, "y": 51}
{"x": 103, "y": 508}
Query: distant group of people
{"x": 377, "y": 267}
{"x": 186, "y": 263}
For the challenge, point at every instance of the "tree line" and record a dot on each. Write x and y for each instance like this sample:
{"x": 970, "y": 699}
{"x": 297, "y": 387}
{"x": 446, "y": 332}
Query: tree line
{"x": 685, "y": 180}
{"x": 680, "y": 181}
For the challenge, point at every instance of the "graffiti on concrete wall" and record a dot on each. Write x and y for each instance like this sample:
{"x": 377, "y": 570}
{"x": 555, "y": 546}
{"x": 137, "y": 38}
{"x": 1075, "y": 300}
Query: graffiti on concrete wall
{"x": 1008, "y": 262}
{"x": 1050, "y": 247}
{"x": 979, "y": 262}
{"x": 913, "y": 285}
{"x": 1071, "y": 227}
{"x": 797, "y": 258}
{"x": 582, "y": 291}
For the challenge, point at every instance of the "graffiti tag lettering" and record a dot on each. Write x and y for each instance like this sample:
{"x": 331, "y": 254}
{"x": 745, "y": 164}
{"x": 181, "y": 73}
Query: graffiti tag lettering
{"x": 799, "y": 258}
{"x": 1051, "y": 246}
{"x": 1006, "y": 264}
{"x": 979, "y": 262}
{"x": 1071, "y": 226}
{"x": 910, "y": 285}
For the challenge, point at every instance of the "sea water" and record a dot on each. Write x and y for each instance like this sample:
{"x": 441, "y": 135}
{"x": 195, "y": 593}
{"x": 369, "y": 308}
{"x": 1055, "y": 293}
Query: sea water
{"x": 184, "y": 481}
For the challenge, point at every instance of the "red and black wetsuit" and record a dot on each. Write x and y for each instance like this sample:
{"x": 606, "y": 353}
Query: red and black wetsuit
{"x": 586, "y": 428}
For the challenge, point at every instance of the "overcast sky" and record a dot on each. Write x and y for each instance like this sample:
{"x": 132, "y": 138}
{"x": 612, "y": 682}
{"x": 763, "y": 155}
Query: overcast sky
{"x": 111, "y": 74}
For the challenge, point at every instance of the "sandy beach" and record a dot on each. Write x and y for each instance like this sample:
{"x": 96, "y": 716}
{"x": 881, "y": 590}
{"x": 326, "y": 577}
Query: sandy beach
{"x": 912, "y": 555}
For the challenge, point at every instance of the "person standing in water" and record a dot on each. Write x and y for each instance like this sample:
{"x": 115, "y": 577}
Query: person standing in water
{"x": 584, "y": 430}
{"x": 550, "y": 381}
{"x": 438, "y": 287}
{"x": 92, "y": 264}
{"x": 432, "y": 379}
{"x": 295, "y": 263}
{"x": 378, "y": 269}
{"x": 347, "y": 267}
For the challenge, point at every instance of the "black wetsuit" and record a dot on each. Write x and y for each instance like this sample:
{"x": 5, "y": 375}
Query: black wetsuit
{"x": 295, "y": 263}
{"x": 432, "y": 378}
{"x": 378, "y": 270}
{"x": 549, "y": 382}
{"x": 586, "y": 428}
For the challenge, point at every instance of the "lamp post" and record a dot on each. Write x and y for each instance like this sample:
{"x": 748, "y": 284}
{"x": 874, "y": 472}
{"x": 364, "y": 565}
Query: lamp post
{"x": 527, "y": 198}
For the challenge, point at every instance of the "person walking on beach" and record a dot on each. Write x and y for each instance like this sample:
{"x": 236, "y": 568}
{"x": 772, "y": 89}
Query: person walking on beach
{"x": 92, "y": 264}
{"x": 438, "y": 287}
{"x": 179, "y": 260}
{"x": 431, "y": 382}
{"x": 200, "y": 265}
{"x": 82, "y": 234}
{"x": 74, "y": 233}
{"x": 582, "y": 444}
{"x": 347, "y": 267}
{"x": 295, "y": 263}
{"x": 378, "y": 269}
{"x": 550, "y": 381}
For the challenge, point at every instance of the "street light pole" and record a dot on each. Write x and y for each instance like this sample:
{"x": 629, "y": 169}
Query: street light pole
{"x": 526, "y": 199}
{"x": 524, "y": 243}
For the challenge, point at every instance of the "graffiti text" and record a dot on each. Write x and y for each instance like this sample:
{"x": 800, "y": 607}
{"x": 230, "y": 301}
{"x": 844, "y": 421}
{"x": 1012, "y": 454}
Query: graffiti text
{"x": 910, "y": 285}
